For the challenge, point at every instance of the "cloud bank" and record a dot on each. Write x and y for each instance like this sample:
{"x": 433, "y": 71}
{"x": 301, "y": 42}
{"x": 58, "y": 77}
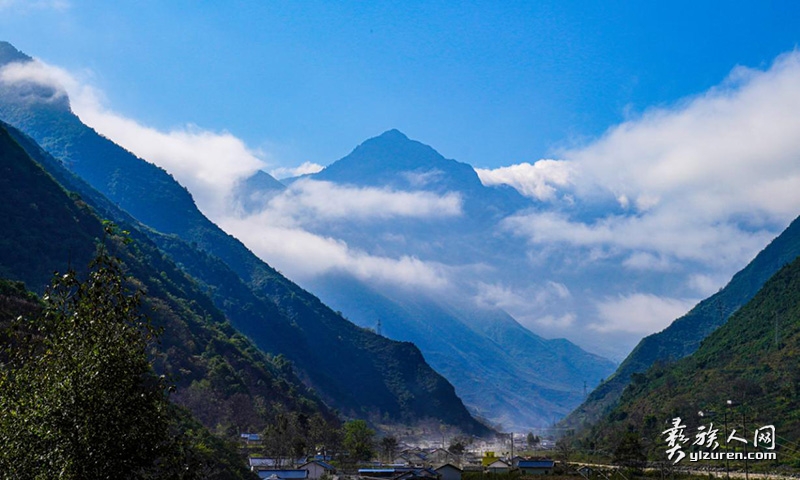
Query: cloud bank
{"x": 696, "y": 189}
{"x": 210, "y": 164}
{"x": 710, "y": 179}
{"x": 326, "y": 200}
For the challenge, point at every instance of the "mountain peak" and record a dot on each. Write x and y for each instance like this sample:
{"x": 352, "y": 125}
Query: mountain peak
{"x": 393, "y": 134}
{"x": 395, "y": 161}
{"x": 9, "y": 53}
{"x": 389, "y": 153}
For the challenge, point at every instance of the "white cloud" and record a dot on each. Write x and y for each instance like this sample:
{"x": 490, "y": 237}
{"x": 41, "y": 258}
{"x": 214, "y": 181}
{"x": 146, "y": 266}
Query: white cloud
{"x": 208, "y": 163}
{"x": 533, "y": 305}
{"x": 308, "y": 199}
{"x": 288, "y": 172}
{"x": 639, "y": 313}
{"x": 281, "y": 234}
{"x": 663, "y": 235}
{"x": 561, "y": 322}
{"x": 418, "y": 179}
{"x": 732, "y": 151}
{"x": 706, "y": 285}
{"x": 710, "y": 179}
{"x": 301, "y": 254}
{"x": 59, "y": 81}
{"x": 539, "y": 180}
{"x": 648, "y": 261}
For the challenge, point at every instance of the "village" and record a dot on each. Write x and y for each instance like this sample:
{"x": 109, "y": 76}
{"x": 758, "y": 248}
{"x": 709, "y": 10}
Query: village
{"x": 407, "y": 462}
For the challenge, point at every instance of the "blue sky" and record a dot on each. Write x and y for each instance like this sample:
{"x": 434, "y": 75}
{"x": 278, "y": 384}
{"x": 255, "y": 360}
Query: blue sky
{"x": 488, "y": 83}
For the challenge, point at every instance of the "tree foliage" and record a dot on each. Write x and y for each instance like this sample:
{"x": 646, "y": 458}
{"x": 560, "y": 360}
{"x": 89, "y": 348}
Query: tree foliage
{"x": 359, "y": 440}
{"x": 77, "y": 392}
{"x": 629, "y": 451}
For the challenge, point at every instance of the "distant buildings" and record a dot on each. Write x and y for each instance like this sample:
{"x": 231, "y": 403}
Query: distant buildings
{"x": 412, "y": 463}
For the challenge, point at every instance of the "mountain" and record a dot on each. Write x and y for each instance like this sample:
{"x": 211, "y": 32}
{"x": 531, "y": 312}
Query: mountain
{"x": 254, "y": 192}
{"x": 503, "y": 371}
{"x": 352, "y": 369}
{"x": 684, "y": 335}
{"x": 220, "y": 376}
{"x": 393, "y": 160}
{"x": 751, "y": 360}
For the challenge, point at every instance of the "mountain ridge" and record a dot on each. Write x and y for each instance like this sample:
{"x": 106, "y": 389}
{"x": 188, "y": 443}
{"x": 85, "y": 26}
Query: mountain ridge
{"x": 751, "y": 363}
{"x": 683, "y": 336}
{"x": 144, "y": 191}
{"x": 199, "y": 351}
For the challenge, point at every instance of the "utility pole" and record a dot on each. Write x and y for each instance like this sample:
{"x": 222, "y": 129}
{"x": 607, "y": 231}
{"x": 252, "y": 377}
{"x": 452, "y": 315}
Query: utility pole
{"x": 727, "y": 460}
{"x": 744, "y": 427}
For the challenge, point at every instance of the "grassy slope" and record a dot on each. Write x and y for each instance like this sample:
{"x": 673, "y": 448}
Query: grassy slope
{"x": 685, "y": 334}
{"x": 741, "y": 361}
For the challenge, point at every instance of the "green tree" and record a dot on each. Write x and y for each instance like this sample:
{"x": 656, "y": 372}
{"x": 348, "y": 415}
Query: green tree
{"x": 283, "y": 437}
{"x": 358, "y": 440}
{"x": 532, "y": 440}
{"x": 323, "y": 437}
{"x": 78, "y": 396}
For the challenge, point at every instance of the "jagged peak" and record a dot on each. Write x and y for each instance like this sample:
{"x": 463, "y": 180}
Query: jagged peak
{"x": 393, "y": 134}
{"x": 9, "y": 53}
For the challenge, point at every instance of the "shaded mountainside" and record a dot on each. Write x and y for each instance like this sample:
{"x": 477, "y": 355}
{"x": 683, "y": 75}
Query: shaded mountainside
{"x": 502, "y": 370}
{"x": 685, "y": 334}
{"x": 753, "y": 360}
{"x": 220, "y": 376}
{"x": 200, "y": 349}
{"x": 352, "y": 369}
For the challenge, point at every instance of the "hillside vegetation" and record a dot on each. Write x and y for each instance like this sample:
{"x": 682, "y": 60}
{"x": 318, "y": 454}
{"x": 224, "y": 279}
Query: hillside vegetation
{"x": 753, "y": 361}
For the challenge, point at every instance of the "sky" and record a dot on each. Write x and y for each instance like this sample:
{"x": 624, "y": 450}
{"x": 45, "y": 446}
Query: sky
{"x": 486, "y": 83}
{"x": 680, "y": 115}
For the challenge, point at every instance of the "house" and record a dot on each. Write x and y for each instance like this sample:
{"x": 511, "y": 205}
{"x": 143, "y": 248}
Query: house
{"x": 498, "y": 466}
{"x": 448, "y": 471}
{"x": 283, "y": 474}
{"x": 317, "y": 468}
{"x": 262, "y": 463}
{"x": 410, "y": 458}
{"x": 488, "y": 459}
{"x": 440, "y": 456}
{"x": 399, "y": 473}
{"x": 472, "y": 468}
{"x": 542, "y": 466}
{"x": 418, "y": 474}
{"x": 470, "y": 458}
{"x": 378, "y": 472}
